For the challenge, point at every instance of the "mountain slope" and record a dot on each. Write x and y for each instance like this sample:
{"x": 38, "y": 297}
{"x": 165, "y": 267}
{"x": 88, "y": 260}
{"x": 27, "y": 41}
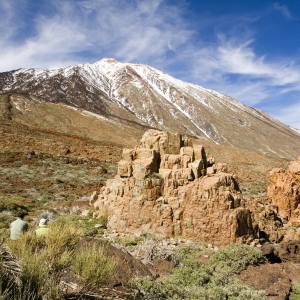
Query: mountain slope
{"x": 56, "y": 130}
{"x": 142, "y": 96}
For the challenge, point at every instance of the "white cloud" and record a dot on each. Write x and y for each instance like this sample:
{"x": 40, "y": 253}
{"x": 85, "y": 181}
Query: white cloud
{"x": 283, "y": 9}
{"x": 232, "y": 67}
{"x": 288, "y": 114}
{"x": 130, "y": 31}
{"x": 7, "y": 21}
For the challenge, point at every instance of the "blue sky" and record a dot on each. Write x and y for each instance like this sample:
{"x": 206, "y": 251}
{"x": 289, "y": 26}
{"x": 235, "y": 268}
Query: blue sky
{"x": 247, "y": 49}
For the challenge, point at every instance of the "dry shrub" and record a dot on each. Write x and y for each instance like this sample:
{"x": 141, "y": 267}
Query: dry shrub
{"x": 93, "y": 266}
{"x": 61, "y": 241}
{"x": 44, "y": 258}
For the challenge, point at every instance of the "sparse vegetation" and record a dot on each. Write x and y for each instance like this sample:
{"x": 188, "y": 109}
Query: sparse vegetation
{"x": 42, "y": 181}
{"x": 89, "y": 226}
{"x": 295, "y": 295}
{"x": 193, "y": 279}
{"x": 42, "y": 261}
{"x": 93, "y": 266}
{"x": 234, "y": 259}
{"x": 59, "y": 176}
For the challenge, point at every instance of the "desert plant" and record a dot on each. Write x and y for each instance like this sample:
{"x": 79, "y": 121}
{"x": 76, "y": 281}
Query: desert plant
{"x": 43, "y": 259}
{"x": 5, "y": 221}
{"x": 189, "y": 254}
{"x": 11, "y": 285}
{"x": 60, "y": 242}
{"x": 235, "y": 258}
{"x": 27, "y": 242}
{"x": 295, "y": 295}
{"x": 35, "y": 271}
{"x": 193, "y": 279}
{"x": 12, "y": 204}
{"x": 86, "y": 224}
{"x": 93, "y": 266}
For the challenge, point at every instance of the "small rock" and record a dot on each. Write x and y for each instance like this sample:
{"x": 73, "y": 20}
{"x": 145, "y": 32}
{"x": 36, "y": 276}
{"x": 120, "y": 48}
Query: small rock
{"x": 99, "y": 225}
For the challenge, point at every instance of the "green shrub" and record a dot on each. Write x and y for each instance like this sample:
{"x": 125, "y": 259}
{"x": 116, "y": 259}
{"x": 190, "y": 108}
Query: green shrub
{"x": 43, "y": 259}
{"x": 5, "y": 220}
{"x": 167, "y": 289}
{"x": 61, "y": 241}
{"x": 234, "y": 259}
{"x": 93, "y": 266}
{"x": 35, "y": 271}
{"x": 86, "y": 224}
{"x": 190, "y": 253}
{"x": 193, "y": 279}
{"x": 27, "y": 242}
{"x": 295, "y": 295}
{"x": 129, "y": 240}
{"x": 11, "y": 284}
{"x": 12, "y": 204}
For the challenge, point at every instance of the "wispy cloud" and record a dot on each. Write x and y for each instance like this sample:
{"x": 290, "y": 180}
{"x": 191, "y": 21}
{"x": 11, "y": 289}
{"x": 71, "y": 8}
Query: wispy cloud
{"x": 288, "y": 114}
{"x": 283, "y": 9}
{"x": 231, "y": 66}
{"x": 128, "y": 30}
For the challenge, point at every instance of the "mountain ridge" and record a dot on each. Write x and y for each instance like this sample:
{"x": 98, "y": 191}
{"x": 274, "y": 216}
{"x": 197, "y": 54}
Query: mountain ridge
{"x": 149, "y": 98}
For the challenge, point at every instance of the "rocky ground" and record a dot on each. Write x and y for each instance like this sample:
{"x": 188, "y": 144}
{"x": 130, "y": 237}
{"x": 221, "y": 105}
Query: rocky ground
{"x": 55, "y": 171}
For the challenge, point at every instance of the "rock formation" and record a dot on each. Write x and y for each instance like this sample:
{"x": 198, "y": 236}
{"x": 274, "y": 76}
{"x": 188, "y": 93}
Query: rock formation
{"x": 284, "y": 190}
{"x": 168, "y": 187}
{"x": 267, "y": 225}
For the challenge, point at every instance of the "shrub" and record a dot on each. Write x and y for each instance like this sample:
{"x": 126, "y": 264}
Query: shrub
{"x": 5, "y": 220}
{"x": 11, "y": 286}
{"x": 27, "y": 242}
{"x": 189, "y": 254}
{"x": 93, "y": 266}
{"x": 35, "y": 271}
{"x": 86, "y": 224}
{"x": 11, "y": 204}
{"x": 60, "y": 243}
{"x": 192, "y": 279}
{"x": 295, "y": 295}
{"x": 234, "y": 259}
{"x": 43, "y": 259}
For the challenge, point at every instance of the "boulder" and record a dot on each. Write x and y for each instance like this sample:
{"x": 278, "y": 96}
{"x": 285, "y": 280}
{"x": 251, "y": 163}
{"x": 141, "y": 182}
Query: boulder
{"x": 290, "y": 251}
{"x": 294, "y": 167}
{"x": 272, "y": 278}
{"x": 162, "y": 142}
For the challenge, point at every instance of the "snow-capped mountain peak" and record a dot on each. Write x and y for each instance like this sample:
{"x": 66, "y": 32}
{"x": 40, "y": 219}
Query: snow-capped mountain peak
{"x": 143, "y": 96}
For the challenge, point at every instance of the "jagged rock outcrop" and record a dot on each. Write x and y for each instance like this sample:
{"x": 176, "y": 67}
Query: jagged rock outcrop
{"x": 276, "y": 215}
{"x": 168, "y": 187}
{"x": 284, "y": 190}
{"x": 284, "y": 252}
{"x": 267, "y": 225}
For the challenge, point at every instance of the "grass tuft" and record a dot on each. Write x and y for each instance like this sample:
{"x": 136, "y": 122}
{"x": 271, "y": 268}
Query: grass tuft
{"x": 93, "y": 266}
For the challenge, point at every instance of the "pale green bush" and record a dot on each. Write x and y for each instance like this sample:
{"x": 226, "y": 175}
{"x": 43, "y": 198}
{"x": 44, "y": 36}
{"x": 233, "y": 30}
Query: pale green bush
{"x": 295, "y": 295}
{"x": 192, "y": 279}
{"x": 93, "y": 266}
{"x": 236, "y": 258}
